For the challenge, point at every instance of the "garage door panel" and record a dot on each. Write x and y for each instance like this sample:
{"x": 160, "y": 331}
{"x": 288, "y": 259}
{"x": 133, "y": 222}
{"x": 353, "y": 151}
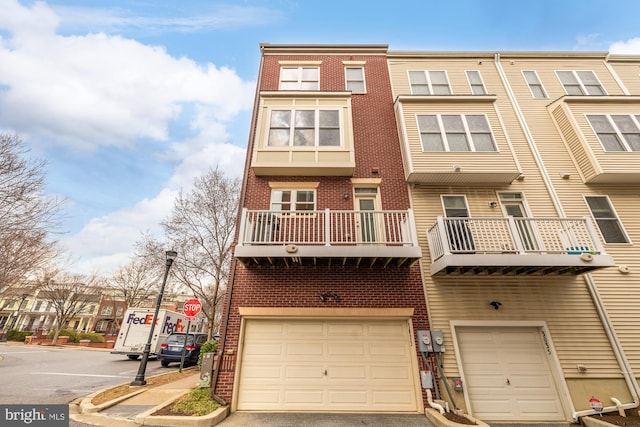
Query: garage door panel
{"x": 508, "y": 374}
{"x": 329, "y": 365}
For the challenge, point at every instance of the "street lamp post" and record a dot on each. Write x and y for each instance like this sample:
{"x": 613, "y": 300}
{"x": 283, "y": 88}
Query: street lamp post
{"x": 139, "y": 380}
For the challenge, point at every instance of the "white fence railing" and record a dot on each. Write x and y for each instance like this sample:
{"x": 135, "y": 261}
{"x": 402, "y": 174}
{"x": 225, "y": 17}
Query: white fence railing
{"x": 568, "y": 236}
{"x": 328, "y": 227}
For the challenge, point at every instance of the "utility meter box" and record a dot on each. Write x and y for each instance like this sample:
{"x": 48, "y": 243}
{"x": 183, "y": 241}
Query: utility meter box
{"x": 438, "y": 341}
{"x": 424, "y": 341}
{"x": 426, "y": 379}
{"x": 206, "y": 369}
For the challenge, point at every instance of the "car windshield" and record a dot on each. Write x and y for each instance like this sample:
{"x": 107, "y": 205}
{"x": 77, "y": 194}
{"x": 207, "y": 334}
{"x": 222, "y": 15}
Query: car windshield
{"x": 179, "y": 338}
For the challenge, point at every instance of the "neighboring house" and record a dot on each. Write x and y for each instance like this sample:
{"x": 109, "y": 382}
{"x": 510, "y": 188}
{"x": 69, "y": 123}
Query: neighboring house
{"x": 325, "y": 290}
{"x": 524, "y": 173}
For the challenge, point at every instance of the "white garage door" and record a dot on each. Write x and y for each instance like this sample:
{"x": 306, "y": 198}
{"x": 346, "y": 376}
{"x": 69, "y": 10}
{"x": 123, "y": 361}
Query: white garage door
{"x": 328, "y": 365}
{"x": 507, "y": 374}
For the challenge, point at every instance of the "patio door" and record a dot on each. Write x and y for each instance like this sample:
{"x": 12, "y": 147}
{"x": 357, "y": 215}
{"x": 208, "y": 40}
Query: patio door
{"x": 513, "y": 205}
{"x": 366, "y": 201}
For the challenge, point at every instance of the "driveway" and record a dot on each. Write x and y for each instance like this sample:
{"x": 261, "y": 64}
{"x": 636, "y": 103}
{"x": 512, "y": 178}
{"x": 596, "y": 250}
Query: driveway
{"x": 253, "y": 419}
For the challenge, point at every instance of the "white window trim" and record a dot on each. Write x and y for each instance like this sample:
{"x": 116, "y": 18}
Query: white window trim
{"x": 580, "y": 82}
{"x": 443, "y": 135}
{"x": 535, "y": 73}
{"x": 293, "y": 202}
{"x": 317, "y": 145}
{"x": 623, "y": 141}
{"x": 613, "y": 209}
{"x": 299, "y": 68}
{"x": 346, "y": 80}
{"x": 471, "y": 85}
{"x": 429, "y": 83}
{"x": 444, "y": 208}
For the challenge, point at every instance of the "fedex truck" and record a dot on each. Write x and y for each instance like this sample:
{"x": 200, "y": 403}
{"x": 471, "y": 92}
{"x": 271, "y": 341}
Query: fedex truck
{"x": 135, "y": 328}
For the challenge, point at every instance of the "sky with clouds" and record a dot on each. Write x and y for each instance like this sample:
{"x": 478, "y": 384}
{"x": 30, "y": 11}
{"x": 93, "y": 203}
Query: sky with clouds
{"x": 129, "y": 101}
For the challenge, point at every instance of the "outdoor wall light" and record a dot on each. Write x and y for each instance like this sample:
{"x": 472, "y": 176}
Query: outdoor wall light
{"x": 346, "y": 195}
{"x": 493, "y": 204}
{"x": 329, "y": 295}
{"x": 495, "y": 304}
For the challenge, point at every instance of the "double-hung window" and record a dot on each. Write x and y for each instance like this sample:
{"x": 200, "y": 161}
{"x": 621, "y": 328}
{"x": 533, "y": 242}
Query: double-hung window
{"x": 304, "y": 128}
{"x": 354, "y": 77}
{"x": 429, "y": 83}
{"x": 475, "y": 81}
{"x": 455, "y": 132}
{"x": 535, "y": 85}
{"x": 582, "y": 82}
{"x": 617, "y": 132}
{"x": 606, "y": 218}
{"x": 293, "y": 200}
{"x": 299, "y": 78}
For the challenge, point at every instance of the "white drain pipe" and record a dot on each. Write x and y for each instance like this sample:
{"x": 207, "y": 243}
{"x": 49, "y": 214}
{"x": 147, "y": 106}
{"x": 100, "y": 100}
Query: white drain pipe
{"x": 432, "y": 403}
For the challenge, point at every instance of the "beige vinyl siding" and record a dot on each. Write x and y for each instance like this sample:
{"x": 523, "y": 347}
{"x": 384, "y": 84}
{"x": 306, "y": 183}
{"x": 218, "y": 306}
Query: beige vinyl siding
{"x": 629, "y": 73}
{"x": 564, "y": 303}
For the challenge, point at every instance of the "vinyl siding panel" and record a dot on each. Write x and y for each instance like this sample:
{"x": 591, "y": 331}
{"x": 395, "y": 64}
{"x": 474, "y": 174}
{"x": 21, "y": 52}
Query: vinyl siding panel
{"x": 629, "y": 73}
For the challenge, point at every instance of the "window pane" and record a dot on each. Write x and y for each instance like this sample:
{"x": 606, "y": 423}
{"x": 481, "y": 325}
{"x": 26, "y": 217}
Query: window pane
{"x": 329, "y": 118}
{"x": 483, "y": 142}
{"x": 288, "y": 74}
{"x": 474, "y": 77}
{"x": 478, "y": 90}
{"x": 432, "y": 142}
{"x": 278, "y": 138}
{"x": 330, "y": 137}
{"x": 303, "y": 138}
{"x": 452, "y": 123}
{"x": 457, "y": 142}
{"x": 305, "y": 118}
{"x": 567, "y": 78}
{"x": 611, "y": 142}
{"x": 633, "y": 139}
{"x": 280, "y": 119}
{"x": 438, "y": 77}
{"x": 537, "y": 92}
{"x": 574, "y": 90}
{"x": 420, "y": 90}
{"x": 354, "y": 73}
{"x": 625, "y": 123}
{"x": 309, "y": 86}
{"x": 441, "y": 90}
{"x": 588, "y": 78}
{"x": 417, "y": 78}
{"x": 477, "y": 123}
{"x": 594, "y": 90}
{"x": 531, "y": 77}
{"x": 289, "y": 85}
{"x": 600, "y": 123}
{"x": 600, "y": 207}
{"x": 354, "y": 86}
{"x": 428, "y": 123}
{"x": 611, "y": 231}
{"x": 310, "y": 74}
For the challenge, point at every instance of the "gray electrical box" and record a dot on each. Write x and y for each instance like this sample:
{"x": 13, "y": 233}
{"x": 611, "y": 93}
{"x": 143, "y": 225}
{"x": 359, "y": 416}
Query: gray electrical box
{"x": 206, "y": 369}
{"x": 424, "y": 341}
{"x": 438, "y": 341}
{"x": 426, "y": 379}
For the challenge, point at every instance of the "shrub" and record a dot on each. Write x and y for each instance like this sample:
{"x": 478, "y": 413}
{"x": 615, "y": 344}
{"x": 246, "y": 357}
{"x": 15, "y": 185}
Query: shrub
{"x": 210, "y": 346}
{"x": 73, "y": 335}
{"x": 93, "y": 337}
{"x": 16, "y": 335}
{"x": 197, "y": 403}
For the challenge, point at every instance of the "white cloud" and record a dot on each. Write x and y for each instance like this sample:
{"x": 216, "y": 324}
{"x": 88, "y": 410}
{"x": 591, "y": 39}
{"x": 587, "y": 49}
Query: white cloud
{"x": 631, "y": 46}
{"x": 96, "y": 89}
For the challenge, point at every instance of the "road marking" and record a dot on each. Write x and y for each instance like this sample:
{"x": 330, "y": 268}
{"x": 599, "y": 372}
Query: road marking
{"x": 77, "y": 375}
{"x": 26, "y": 352}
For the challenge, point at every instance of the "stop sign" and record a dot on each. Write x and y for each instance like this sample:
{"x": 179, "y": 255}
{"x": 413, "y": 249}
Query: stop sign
{"x": 191, "y": 308}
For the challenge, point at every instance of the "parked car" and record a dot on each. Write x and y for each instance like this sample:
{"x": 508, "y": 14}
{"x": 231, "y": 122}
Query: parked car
{"x": 171, "y": 348}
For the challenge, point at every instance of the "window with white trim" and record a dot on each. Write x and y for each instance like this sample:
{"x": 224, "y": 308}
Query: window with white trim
{"x": 299, "y": 78}
{"x": 429, "y": 83}
{"x": 304, "y": 128}
{"x": 354, "y": 77}
{"x": 455, "y": 132}
{"x": 535, "y": 85}
{"x": 293, "y": 200}
{"x": 583, "y": 82}
{"x": 107, "y": 310}
{"x": 617, "y": 132}
{"x": 455, "y": 206}
{"x": 476, "y": 83}
{"x": 606, "y": 219}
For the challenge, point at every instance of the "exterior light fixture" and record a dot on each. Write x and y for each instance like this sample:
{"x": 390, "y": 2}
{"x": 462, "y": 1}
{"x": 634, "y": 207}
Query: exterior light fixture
{"x": 139, "y": 380}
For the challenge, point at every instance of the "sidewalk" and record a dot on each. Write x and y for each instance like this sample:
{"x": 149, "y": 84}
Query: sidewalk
{"x": 137, "y": 408}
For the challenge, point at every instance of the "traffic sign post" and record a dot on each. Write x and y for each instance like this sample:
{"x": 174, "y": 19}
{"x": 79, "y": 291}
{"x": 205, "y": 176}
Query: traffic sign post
{"x": 190, "y": 309}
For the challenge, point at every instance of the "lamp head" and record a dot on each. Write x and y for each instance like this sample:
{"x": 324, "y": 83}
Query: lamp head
{"x": 171, "y": 256}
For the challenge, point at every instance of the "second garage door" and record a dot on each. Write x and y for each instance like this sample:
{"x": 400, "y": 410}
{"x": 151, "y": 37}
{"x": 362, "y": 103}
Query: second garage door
{"x": 328, "y": 365}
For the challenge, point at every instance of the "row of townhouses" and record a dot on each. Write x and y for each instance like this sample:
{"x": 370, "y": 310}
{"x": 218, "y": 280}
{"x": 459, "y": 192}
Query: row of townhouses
{"x": 28, "y": 308}
{"x": 459, "y": 226}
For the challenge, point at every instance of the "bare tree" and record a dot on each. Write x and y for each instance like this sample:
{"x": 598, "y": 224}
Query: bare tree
{"x": 136, "y": 281}
{"x": 201, "y": 229}
{"x": 27, "y": 217}
{"x": 69, "y": 295}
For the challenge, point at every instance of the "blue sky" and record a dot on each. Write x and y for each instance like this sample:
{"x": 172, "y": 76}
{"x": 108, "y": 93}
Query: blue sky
{"x": 129, "y": 101}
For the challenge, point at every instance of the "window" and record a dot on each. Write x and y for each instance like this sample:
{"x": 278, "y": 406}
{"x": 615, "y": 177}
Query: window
{"x": 429, "y": 83}
{"x": 293, "y": 200}
{"x": 447, "y": 132}
{"x": 607, "y": 220}
{"x": 119, "y": 311}
{"x": 92, "y": 309}
{"x": 37, "y": 306}
{"x": 455, "y": 206}
{"x": 354, "y": 77}
{"x": 107, "y": 311}
{"x": 619, "y": 132}
{"x": 535, "y": 85}
{"x": 580, "y": 83}
{"x": 299, "y": 78}
{"x": 304, "y": 128}
{"x": 475, "y": 81}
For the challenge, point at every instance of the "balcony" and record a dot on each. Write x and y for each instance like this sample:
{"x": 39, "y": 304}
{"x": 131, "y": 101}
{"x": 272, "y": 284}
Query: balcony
{"x": 515, "y": 246}
{"x": 328, "y": 237}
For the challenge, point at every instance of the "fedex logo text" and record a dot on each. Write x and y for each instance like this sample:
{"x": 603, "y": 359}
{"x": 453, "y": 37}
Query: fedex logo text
{"x": 142, "y": 320}
{"x": 170, "y": 327}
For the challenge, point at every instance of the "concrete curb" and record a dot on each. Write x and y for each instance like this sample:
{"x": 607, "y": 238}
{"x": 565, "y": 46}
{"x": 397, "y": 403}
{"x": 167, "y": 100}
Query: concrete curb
{"x": 440, "y": 421}
{"x": 208, "y": 420}
{"x": 86, "y": 407}
{"x": 595, "y": 422}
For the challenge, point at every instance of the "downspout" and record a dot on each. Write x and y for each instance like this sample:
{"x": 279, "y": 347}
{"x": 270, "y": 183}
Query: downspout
{"x": 241, "y": 202}
{"x": 607, "y": 324}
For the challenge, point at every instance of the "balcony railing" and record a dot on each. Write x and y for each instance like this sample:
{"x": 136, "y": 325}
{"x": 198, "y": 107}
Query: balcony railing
{"x": 489, "y": 244}
{"x": 327, "y": 234}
